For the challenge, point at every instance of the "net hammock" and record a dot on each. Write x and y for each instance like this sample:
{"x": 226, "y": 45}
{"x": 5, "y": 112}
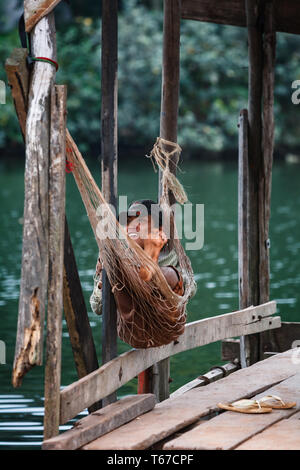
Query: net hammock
{"x": 159, "y": 314}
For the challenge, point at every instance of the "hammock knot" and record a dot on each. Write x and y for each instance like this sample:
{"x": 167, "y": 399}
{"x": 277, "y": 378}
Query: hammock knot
{"x": 161, "y": 157}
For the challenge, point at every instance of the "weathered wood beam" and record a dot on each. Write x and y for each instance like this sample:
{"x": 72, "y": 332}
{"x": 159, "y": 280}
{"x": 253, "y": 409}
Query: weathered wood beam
{"x": 265, "y": 182}
{"x": 250, "y": 350}
{"x": 56, "y": 259}
{"x": 243, "y": 227}
{"x": 76, "y": 315}
{"x": 227, "y": 431}
{"x": 34, "y": 10}
{"x": 282, "y": 340}
{"x": 34, "y": 278}
{"x": 109, "y": 153}
{"x": 212, "y": 375}
{"x": 168, "y": 130}
{"x": 172, "y": 416}
{"x": 18, "y": 80}
{"x": 98, "y": 423}
{"x": 232, "y": 12}
{"x": 117, "y": 372}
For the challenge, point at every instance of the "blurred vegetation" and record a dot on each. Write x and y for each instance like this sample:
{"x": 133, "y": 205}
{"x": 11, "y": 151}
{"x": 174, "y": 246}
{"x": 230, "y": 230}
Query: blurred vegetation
{"x": 213, "y": 87}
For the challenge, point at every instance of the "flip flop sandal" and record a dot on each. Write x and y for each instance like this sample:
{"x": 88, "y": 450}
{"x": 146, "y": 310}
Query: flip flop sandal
{"x": 280, "y": 405}
{"x": 245, "y": 406}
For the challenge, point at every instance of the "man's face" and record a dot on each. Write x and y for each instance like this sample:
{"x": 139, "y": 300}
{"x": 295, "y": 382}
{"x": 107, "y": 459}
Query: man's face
{"x": 139, "y": 228}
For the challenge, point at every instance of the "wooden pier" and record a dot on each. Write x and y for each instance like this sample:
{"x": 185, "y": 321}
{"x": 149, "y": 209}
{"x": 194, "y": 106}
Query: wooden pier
{"x": 189, "y": 418}
{"x": 193, "y": 421}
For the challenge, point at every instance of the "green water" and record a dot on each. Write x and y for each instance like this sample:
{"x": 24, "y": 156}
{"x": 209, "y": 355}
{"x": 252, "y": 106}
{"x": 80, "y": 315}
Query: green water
{"x": 215, "y": 267}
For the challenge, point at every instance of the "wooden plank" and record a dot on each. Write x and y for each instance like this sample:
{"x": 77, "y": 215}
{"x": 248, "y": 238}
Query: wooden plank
{"x": 168, "y": 131}
{"x": 211, "y": 376}
{"x": 232, "y": 12}
{"x": 243, "y": 194}
{"x": 34, "y": 10}
{"x": 284, "y": 435}
{"x": 56, "y": 259}
{"x": 282, "y": 340}
{"x": 101, "y": 422}
{"x": 227, "y": 430}
{"x": 83, "y": 346}
{"x": 265, "y": 182}
{"x": 243, "y": 228}
{"x": 81, "y": 337}
{"x": 170, "y": 416}
{"x": 255, "y": 52}
{"x": 34, "y": 277}
{"x": 18, "y": 80}
{"x": 109, "y": 151}
{"x": 117, "y": 372}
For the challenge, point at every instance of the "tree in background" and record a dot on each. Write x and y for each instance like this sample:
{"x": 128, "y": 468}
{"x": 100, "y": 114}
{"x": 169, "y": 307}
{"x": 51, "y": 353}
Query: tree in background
{"x": 213, "y": 87}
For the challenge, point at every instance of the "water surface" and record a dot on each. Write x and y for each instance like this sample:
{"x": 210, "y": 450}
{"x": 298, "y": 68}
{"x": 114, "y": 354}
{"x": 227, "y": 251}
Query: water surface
{"x": 215, "y": 267}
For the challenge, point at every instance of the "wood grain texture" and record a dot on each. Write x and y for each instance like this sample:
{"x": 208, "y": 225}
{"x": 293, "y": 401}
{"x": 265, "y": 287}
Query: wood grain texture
{"x": 160, "y": 374}
{"x": 109, "y": 161}
{"x": 265, "y": 183}
{"x": 18, "y": 80}
{"x": 232, "y": 12}
{"x": 34, "y": 275}
{"x": 56, "y": 259}
{"x": 227, "y": 430}
{"x": 171, "y": 416}
{"x": 34, "y": 10}
{"x": 76, "y": 315}
{"x": 111, "y": 376}
{"x": 243, "y": 228}
{"x": 211, "y": 376}
{"x": 101, "y": 422}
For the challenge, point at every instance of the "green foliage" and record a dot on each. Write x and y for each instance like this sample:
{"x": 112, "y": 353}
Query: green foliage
{"x": 213, "y": 86}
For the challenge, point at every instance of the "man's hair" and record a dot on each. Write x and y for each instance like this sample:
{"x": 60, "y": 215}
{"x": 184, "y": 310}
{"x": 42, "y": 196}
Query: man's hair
{"x": 152, "y": 208}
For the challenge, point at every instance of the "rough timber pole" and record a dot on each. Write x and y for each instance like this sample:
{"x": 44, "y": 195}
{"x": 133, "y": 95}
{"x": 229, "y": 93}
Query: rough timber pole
{"x": 255, "y": 51}
{"x": 243, "y": 224}
{"x": 109, "y": 162}
{"x": 56, "y": 259}
{"x": 260, "y": 157}
{"x": 267, "y": 338}
{"x": 34, "y": 276}
{"x": 168, "y": 131}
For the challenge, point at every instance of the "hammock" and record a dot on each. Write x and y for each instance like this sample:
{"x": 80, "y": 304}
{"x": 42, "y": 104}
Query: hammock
{"x": 161, "y": 314}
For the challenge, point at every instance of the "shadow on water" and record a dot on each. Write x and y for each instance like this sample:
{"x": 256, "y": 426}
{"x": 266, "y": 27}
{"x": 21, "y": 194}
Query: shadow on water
{"x": 215, "y": 267}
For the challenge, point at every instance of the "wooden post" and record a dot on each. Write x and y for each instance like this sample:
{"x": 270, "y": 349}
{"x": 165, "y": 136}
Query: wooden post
{"x": 268, "y": 342}
{"x": 260, "y": 157}
{"x": 18, "y": 80}
{"x": 81, "y": 337}
{"x": 56, "y": 259}
{"x": 109, "y": 152}
{"x": 34, "y": 278}
{"x": 243, "y": 227}
{"x": 255, "y": 50}
{"x": 168, "y": 131}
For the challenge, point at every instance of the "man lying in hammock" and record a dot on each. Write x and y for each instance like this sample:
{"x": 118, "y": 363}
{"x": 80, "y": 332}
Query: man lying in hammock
{"x": 148, "y": 233}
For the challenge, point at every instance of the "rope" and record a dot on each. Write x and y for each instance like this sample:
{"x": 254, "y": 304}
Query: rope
{"x": 25, "y": 42}
{"x": 161, "y": 157}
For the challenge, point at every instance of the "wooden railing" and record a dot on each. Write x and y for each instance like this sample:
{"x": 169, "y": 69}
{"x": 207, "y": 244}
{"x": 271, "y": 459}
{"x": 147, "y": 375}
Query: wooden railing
{"x": 117, "y": 372}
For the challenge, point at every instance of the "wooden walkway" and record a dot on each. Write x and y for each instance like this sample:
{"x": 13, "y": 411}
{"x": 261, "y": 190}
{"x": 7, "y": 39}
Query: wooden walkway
{"x": 193, "y": 421}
